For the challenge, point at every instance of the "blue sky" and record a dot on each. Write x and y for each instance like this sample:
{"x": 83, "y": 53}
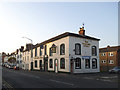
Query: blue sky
{"x": 40, "y": 21}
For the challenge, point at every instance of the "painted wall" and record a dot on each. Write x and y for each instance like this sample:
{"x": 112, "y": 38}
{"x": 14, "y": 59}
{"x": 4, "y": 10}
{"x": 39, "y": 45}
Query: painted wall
{"x": 85, "y": 51}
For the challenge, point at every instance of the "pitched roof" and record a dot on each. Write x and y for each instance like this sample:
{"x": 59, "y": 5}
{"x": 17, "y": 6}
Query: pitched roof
{"x": 65, "y": 35}
{"x": 111, "y": 48}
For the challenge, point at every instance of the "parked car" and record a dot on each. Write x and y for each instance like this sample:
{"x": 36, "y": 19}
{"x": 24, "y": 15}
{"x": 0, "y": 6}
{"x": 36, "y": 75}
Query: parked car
{"x": 16, "y": 68}
{"x": 11, "y": 67}
{"x": 115, "y": 70}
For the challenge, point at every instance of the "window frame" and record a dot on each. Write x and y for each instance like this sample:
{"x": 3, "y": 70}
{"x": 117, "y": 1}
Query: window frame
{"x": 78, "y": 50}
{"x": 61, "y": 63}
{"x": 94, "y": 53}
{"x": 88, "y": 64}
{"x": 62, "y": 49}
{"x": 95, "y": 64}
{"x": 78, "y": 62}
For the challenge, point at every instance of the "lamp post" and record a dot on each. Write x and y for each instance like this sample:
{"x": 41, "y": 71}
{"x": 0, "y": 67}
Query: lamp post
{"x": 31, "y": 50}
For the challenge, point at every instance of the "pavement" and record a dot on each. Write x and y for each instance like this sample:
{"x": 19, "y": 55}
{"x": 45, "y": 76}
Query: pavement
{"x": 36, "y": 79}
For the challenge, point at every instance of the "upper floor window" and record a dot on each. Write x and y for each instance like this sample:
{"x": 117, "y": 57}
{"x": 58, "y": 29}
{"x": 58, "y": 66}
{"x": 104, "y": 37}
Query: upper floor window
{"x": 78, "y": 63}
{"x": 35, "y": 51}
{"x": 45, "y": 50}
{"x": 94, "y": 63}
{"x": 103, "y": 54}
{"x": 110, "y": 54}
{"x": 62, "y": 63}
{"x": 77, "y": 49}
{"x": 62, "y": 49}
{"x": 94, "y": 50}
{"x": 50, "y": 52}
{"x": 40, "y": 51}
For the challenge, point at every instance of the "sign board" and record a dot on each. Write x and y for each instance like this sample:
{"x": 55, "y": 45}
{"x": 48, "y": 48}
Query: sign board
{"x": 86, "y": 57}
{"x": 86, "y": 44}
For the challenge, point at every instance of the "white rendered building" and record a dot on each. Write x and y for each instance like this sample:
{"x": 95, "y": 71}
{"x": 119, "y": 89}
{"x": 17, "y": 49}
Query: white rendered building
{"x": 68, "y": 52}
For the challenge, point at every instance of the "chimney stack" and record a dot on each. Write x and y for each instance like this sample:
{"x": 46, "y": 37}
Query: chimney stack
{"x": 82, "y": 31}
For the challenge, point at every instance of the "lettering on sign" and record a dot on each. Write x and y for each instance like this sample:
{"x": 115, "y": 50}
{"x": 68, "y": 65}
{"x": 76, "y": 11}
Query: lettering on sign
{"x": 86, "y": 44}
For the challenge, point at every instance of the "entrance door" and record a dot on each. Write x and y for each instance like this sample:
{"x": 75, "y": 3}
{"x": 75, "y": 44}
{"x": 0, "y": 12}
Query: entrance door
{"x": 71, "y": 64}
{"x": 46, "y": 65}
{"x": 56, "y": 65}
{"x": 31, "y": 65}
{"x": 40, "y": 64}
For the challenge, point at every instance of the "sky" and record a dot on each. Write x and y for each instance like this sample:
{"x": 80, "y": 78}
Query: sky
{"x": 40, "y": 21}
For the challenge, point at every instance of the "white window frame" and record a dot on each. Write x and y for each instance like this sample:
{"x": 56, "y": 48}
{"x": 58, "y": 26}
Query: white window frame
{"x": 111, "y": 54}
{"x": 111, "y": 61}
{"x": 103, "y": 61}
{"x": 103, "y": 54}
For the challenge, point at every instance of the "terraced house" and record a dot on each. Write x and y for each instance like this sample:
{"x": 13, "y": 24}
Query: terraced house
{"x": 67, "y": 52}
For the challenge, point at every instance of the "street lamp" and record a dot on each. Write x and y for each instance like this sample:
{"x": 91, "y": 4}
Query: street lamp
{"x": 31, "y": 50}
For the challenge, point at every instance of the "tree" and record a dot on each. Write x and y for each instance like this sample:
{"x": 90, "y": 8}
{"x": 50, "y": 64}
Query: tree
{"x": 12, "y": 60}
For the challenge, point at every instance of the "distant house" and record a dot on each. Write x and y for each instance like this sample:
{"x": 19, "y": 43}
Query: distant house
{"x": 19, "y": 57}
{"x": 26, "y": 57}
{"x": 109, "y": 57}
{"x": 68, "y": 52}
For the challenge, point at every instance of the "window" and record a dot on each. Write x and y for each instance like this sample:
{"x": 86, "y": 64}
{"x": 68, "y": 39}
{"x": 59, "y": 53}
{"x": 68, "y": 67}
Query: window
{"x": 35, "y": 52}
{"x": 103, "y": 61}
{"x": 32, "y": 53}
{"x": 45, "y": 50}
{"x": 103, "y": 54}
{"x": 50, "y": 51}
{"x": 62, "y": 49}
{"x": 87, "y": 63}
{"x": 94, "y": 51}
{"x": 51, "y": 63}
{"x": 40, "y": 51}
{"x": 78, "y": 63}
{"x": 77, "y": 49}
{"x": 62, "y": 63}
{"x": 111, "y": 62}
{"x": 94, "y": 63}
{"x": 111, "y": 54}
{"x": 35, "y": 63}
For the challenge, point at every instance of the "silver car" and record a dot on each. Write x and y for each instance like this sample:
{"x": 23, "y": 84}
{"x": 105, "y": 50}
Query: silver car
{"x": 115, "y": 70}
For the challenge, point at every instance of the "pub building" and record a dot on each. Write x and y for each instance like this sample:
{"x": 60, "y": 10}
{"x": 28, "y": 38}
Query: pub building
{"x": 68, "y": 52}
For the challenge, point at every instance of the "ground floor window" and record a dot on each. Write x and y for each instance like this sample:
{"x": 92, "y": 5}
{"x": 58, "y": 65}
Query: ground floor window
{"x": 51, "y": 63}
{"x": 78, "y": 63}
{"x": 94, "y": 63}
{"x": 87, "y": 63}
{"x": 62, "y": 63}
{"x": 35, "y": 63}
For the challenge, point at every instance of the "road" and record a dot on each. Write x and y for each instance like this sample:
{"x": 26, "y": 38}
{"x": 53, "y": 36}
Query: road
{"x": 37, "y": 79}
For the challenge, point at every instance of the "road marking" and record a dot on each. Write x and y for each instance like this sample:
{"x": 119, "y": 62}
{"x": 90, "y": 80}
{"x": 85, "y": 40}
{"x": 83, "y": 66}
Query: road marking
{"x": 88, "y": 78}
{"x": 7, "y": 84}
{"x": 61, "y": 82}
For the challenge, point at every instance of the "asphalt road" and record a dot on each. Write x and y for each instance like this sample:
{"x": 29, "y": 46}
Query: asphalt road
{"x": 37, "y": 79}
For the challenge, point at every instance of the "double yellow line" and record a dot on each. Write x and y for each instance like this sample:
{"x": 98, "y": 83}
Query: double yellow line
{"x": 7, "y": 85}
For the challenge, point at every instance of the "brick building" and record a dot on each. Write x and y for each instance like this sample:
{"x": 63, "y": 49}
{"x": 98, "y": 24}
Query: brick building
{"x": 109, "y": 57}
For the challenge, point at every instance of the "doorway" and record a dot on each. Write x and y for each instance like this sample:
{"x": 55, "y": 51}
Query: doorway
{"x": 31, "y": 65}
{"x": 40, "y": 64}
